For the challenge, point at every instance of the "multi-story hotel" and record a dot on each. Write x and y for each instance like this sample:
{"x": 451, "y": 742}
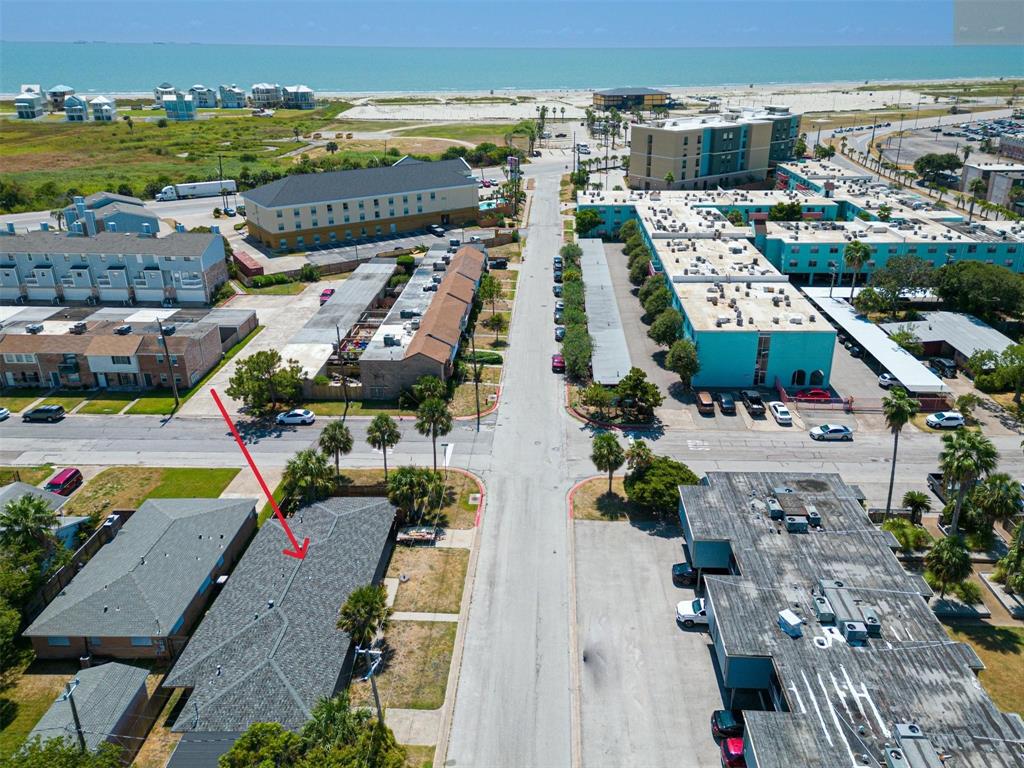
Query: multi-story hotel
{"x": 306, "y": 210}
{"x": 705, "y": 152}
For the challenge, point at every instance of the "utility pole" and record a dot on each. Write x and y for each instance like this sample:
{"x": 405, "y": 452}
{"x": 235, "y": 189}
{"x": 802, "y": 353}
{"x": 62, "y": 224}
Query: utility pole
{"x": 476, "y": 378}
{"x": 167, "y": 359}
{"x": 375, "y": 656}
{"x": 341, "y": 365}
{"x": 899, "y": 144}
{"x": 68, "y": 696}
{"x": 220, "y": 178}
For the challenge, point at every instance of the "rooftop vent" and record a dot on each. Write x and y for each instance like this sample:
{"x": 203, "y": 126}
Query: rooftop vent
{"x": 790, "y": 623}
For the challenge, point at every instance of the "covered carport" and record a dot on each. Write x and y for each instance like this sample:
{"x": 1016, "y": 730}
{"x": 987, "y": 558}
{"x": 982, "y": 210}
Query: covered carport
{"x": 610, "y": 360}
{"x": 910, "y": 371}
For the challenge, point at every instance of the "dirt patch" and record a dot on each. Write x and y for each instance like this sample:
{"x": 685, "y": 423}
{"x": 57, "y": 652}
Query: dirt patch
{"x": 434, "y": 578}
{"x": 414, "y": 671}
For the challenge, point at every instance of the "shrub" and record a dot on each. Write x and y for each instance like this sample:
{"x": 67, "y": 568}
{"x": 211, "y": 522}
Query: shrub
{"x": 659, "y": 300}
{"x": 910, "y": 536}
{"x": 656, "y": 487}
{"x": 484, "y": 357}
{"x": 264, "y": 281}
{"x": 639, "y": 271}
{"x": 573, "y": 316}
{"x": 666, "y": 327}
{"x": 577, "y": 349}
{"x": 398, "y": 281}
{"x": 968, "y": 592}
{"x": 224, "y": 292}
{"x": 309, "y": 273}
{"x": 406, "y": 262}
{"x": 320, "y": 380}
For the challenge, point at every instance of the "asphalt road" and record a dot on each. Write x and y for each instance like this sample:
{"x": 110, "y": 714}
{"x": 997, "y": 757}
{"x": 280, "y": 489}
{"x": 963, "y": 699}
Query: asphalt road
{"x": 512, "y": 706}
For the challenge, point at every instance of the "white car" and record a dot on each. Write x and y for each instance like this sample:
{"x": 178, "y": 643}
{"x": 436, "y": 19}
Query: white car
{"x": 887, "y": 380}
{"x": 4, "y": 414}
{"x": 296, "y": 416}
{"x": 945, "y": 420}
{"x": 690, "y": 612}
{"x": 831, "y": 432}
{"x": 780, "y": 412}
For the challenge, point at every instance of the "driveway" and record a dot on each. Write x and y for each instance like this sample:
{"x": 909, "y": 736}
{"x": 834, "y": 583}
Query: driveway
{"x": 648, "y": 686}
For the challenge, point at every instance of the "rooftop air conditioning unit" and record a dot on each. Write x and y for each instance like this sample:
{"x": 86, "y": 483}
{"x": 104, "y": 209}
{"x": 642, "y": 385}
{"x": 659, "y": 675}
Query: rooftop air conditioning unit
{"x": 871, "y": 621}
{"x": 78, "y": 328}
{"x": 774, "y": 508}
{"x": 895, "y": 758}
{"x": 790, "y": 623}
{"x": 123, "y": 330}
{"x": 34, "y": 328}
{"x": 854, "y": 631}
{"x": 796, "y": 524}
{"x": 813, "y": 517}
{"x": 823, "y": 609}
{"x": 824, "y": 584}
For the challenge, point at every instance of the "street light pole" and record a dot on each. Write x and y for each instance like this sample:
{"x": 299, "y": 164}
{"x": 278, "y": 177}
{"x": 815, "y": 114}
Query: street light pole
{"x": 167, "y": 359}
{"x": 476, "y": 377}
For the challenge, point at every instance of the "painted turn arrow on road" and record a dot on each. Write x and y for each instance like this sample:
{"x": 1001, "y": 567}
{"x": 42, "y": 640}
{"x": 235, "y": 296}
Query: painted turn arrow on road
{"x": 297, "y": 550}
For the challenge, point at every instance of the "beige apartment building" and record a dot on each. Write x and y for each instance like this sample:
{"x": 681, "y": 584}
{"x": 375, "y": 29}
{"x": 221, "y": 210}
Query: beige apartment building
{"x": 709, "y": 151}
{"x": 314, "y": 209}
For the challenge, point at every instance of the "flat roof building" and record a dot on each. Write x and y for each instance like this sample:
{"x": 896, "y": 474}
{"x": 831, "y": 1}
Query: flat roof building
{"x": 824, "y": 640}
{"x": 626, "y": 99}
{"x": 1004, "y": 183}
{"x": 310, "y": 209}
{"x": 710, "y": 151}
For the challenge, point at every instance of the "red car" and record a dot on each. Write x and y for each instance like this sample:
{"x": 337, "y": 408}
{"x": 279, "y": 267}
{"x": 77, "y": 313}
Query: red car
{"x": 813, "y": 394}
{"x": 557, "y": 364}
{"x": 732, "y": 753}
{"x": 325, "y": 294}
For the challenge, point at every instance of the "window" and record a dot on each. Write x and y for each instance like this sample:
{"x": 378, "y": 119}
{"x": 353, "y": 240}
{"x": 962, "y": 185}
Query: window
{"x": 344, "y": 206}
{"x": 312, "y": 210}
{"x": 174, "y": 359}
{"x": 279, "y": 214}
{"x": 280, "y": 227}
{"x": 419, "y": 209}
{"x": 330, "y": 208}
{"x": 330, "y": 221}
{"x": 972, "y": 249}
{"x": 142, "y": 642}
{"x": 376, "y": 202}
{"x": 418, "y": 197}
{"x": 405, "y": 198}
{"x": 160, "y": 358}
{"x": 120, "y": 360}
{"x": 295, "y": 212}
{"x": 812, "y": 263}
{"x": 59, "y": 641}
{"x": 346, "y": 218}
{"x": 298, "y": 225}
{"x": 433, "y": 195}
{"x": 391, "y": 212}
{"x": 360, "y": 203}
{"x": 405, "y": 211}
{"x": 315, "y": 223}
{"x": 792, "y": 262}
{"x": 94, "y": 641}
{"x": 391, "y": 201}
{"x": 814, "y": 249}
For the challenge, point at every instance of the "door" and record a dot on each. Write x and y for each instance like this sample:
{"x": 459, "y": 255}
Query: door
{"x": 55, "y": 379}
{"x": 445, "y": 219}
{"x": 394, "y": 229}
{"x": 101, "y": 380}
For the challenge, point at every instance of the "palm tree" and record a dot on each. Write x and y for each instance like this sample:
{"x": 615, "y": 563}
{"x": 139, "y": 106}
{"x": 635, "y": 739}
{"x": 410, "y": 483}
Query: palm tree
{"x": 949, "y": 562}
{"x": 1011, "y": 567}
{"x": 58, "y": 214}
{"x": 307, "y": 475}
{"x": 965, "y": 457}
{"x": 333, "y": 722}
{"x": 365, "y": 613}
{"x": 918, "y": 502}
{"x": 977, "y": 187}
{"x": 966, "y": 152}
{"x": 997, "y": 497}
{"x": 899, "y": 408}
{"x": 28, "y": 522}
{"x": 856, "y": 256}
{"x": 427, "y": 387}
{"x": 407, "y": 487}
{"x": 337, "y": 440}
{"x": 383, "y": 434}
{"x": 638, "y": 456}
{"x": 607, "y": 455}
{"x": 966, "y": 404}
{"x": 562, "y": 110}
{"x": 433, "y": 418}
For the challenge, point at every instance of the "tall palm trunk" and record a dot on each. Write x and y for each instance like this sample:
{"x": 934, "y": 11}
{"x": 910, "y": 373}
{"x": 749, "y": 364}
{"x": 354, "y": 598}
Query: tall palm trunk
{"x": 433, "y": 440}
{"x": 610, "y": 481}
{"x": 385, "y": 451}
{"x": 892, "y": 474}
{"x": 960, "y": 493}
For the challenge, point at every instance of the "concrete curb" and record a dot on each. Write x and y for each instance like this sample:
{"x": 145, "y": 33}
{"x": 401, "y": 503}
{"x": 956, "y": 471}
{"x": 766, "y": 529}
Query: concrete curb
{"x": 448, "y": 708}
{"x": 575, "y": 712}
{"x": 574, "y": 413}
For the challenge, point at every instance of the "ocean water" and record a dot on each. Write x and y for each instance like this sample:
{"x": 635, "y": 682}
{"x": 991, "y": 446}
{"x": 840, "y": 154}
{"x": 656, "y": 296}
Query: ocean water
{"x": 125, "y": 68}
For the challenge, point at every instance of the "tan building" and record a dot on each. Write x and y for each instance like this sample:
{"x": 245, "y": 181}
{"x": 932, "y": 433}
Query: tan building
{"x": 626, "y": 99}
{"x": 305, "y": 210}
{"x": 726, "y": 149}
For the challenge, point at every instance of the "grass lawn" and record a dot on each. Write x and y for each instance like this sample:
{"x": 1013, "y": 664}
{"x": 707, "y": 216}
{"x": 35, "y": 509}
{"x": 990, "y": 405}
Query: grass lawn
{"x": 16, "y": 403}
{"x": 284, "y": 289}
{"x": 475, "y": 133}
{"x": 419, "y": 756}
{"x": 510, "y": 251}
{"x": 32, "y": 693}
{"x": 160, "y": 743}
{"x": 1002, "y": 651}
{"x": 355, "y": 408}
{"x": 127, "y": 487}
{"x": 268, "y": 511}
{"x": 463, "y": 402}
{"x": 161, "y": 403}
{"x": 436, "y": 577}
{"x": 592, "y": 502}
{"x": 414, "y": 673}
{"x": 30, "y": 475}
{"x": 108, "y": 402}
{"x": 69, "y": 400}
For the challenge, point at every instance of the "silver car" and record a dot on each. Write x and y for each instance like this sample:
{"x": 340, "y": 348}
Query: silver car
{"x": 832, "y": 432}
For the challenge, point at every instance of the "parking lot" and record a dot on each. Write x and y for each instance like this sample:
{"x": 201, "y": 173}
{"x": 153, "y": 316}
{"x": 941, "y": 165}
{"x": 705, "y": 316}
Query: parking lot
{"x": 638, "y": 669}
{"x": 956, "y": 132}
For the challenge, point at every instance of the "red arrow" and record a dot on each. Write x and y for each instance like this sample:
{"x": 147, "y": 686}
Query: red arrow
{"x": 296, "y": 550}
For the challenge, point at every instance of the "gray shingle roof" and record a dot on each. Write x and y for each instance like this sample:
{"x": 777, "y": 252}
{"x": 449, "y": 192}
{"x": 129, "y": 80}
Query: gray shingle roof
{"x": 201, "y": 749}
{"x": 102, "y": 697}
{"x": 13, "y": 491}
{"x": 306, "y": 188}
{"x": 175, "y": 244}
{"x": 140, "y": 583}
{"x": 248, "y": 662}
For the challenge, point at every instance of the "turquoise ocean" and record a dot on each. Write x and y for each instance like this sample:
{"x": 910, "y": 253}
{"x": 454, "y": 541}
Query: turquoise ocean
{"x": 125, "y": 68}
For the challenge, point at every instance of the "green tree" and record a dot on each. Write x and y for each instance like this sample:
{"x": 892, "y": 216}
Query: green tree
{"x": 800, "y": 146}
{"x": 918, "y": 502}
{"x": 383, "y": 434}
{"x": 639, "y": 456}
{"x": 906, "y": 338}
{"x": 666, "y": 327}
{"x": 64, "y": 753}
{"x": 490, "y": 291}
{"x": 899, "y": 408}
{"x": 408, "y": 488}
{"x": 1011, "y": 367}
{"x": 433, "y": 419}
{"x": 855, "y": 256}
{"x": 656, "y": 486}
{"x": 884, "y": 212}
{"x": 596, "y": 396}
{"x": 1010, "y": 569}
{"x": 607, "y": 455}
{"x": 670, "y": 179}
{"x": 902, "y": 274}
{"x": 683, "y": 361}
{"x": 577, "y": 349}
{"x": 336, "y": 440}
{"x": 996, "y": 498}
{"x": 261, "y": 381}
{"x": 266, "y": 745}
{"x": 651, "y": 284}
{"x": 977, "y": 187}
{"x": 868, "y": 301}
{"x": 735, "y": 217}
{"x": 364, "y": 614}
{"x": 786, "y": 212}
{"x": 636, "y": 393}
{"x": 331, "y": 147}
{"x": 628, "y": 230}
{"x": 929, "y": 166}
{"x": 427, "y": 387}
{"x": 333, "y": 723}
{"x": 985, "y": 290}
{"x": 659, "y": 300}
{"x": 966, "y": 403}
{"x": 28, "y": 523}
{"x": 639, "y": 271}
{"x": 307, "y": 476}
{"x": 965, "y": 457}
{"x": 587, "y": 219}
{"x": 496, "y": 323}
{"x": 949, "y": 562}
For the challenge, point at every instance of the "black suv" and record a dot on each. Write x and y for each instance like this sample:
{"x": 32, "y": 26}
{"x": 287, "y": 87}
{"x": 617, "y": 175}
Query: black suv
{"x": 726, "y": 403}
{"x": 48, "y": 413}
{"x": 753, "y": 402}
{"x": 683, "y": 575}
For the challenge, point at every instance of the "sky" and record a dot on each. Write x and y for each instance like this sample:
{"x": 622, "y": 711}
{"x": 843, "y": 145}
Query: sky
{"x": 523, "y": 23}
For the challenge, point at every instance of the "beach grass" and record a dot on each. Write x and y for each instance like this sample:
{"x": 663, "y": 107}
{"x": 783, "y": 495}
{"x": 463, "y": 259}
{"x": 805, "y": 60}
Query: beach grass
{"x": 475, "y": 133}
